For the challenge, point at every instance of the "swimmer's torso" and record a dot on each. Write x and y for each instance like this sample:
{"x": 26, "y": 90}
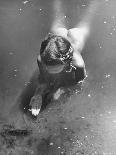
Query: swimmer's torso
{"x": 68, "y": 76}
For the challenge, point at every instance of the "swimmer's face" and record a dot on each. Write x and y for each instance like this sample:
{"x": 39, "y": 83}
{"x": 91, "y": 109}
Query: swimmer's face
{"x": 55, "y": 69}
{"x": 52, "y": 69}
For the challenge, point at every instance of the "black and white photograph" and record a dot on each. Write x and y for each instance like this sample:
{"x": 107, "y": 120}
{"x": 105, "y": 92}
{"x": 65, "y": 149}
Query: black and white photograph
{"x": 57, "y": 77}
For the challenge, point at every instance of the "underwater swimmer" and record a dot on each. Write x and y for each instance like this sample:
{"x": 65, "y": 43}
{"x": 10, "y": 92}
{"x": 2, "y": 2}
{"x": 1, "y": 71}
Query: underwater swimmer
{"x": 60, "y": 61}
{"x": 60, "y": 64}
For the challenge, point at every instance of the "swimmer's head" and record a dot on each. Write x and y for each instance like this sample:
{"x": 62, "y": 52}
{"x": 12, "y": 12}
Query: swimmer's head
{"x": 55, "y": 53}
{"x": 56, "y": 50}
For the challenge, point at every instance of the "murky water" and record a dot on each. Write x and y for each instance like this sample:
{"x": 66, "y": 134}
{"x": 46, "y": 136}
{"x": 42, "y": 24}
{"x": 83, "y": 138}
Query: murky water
{"x": 85, "y": 123}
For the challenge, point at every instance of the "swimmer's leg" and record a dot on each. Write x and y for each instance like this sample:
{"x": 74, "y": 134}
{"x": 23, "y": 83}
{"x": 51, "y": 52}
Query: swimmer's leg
{"x": 50, "y": 94}
{"x": 58, "y": 93}
{"x": 36, "y": 100}
{"x": 46, "y": 99}
{"x": 43, "y": 96}
{"x": 58, "y": 26}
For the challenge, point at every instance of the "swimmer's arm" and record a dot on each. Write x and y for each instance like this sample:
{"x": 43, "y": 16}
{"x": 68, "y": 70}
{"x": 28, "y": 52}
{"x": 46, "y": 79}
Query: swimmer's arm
{"x": 77, "y": 38}
{"x": 78, "y": 61}
{"x": 40, "y": 65}
{"x": 60, "y": 31}
{"x": 39, "y": 61}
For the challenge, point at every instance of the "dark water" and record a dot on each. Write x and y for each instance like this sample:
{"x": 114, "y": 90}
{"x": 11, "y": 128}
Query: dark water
{"x": 87, "y": 123}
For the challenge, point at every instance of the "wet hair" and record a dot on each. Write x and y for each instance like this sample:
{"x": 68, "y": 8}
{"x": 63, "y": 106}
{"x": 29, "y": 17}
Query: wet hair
{"x": 56, "y": 50}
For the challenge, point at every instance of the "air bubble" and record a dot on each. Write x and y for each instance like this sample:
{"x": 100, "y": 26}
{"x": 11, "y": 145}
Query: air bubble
{"x": 105, "y": 22}
{"x": 11, "y": 53}
{"x": 51, "y": 144}
{"x": 89, "y": 95}
{"x": 107, "y": 75}
{"x": 25, "y": 2}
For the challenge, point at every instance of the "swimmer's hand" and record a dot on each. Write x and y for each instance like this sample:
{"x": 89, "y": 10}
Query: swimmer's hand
{"x": 77, "y": 60}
